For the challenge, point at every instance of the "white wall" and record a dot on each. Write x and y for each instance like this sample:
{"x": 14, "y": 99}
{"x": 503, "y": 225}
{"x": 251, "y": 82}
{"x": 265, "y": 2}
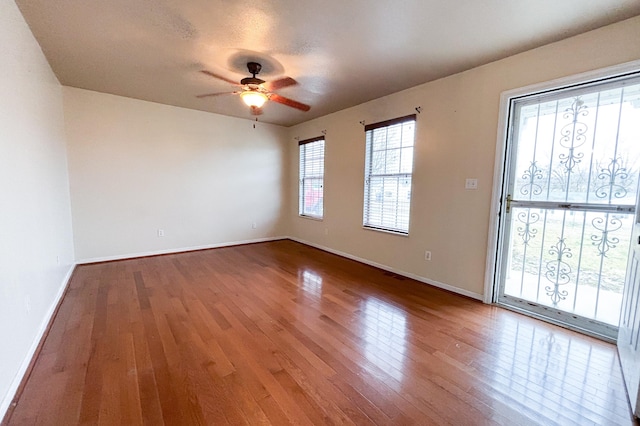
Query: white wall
{"x": 455, "y": 139}
{"x": 35, "y": 220}
{"x": 136, "y": 167}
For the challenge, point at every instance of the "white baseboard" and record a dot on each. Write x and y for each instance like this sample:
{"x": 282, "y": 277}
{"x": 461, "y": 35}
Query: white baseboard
{"x": 425, "y": 280}
{"x": 15, "y": 384}
{"x": 175, "y": 250}
{"x": 318, "y": 246}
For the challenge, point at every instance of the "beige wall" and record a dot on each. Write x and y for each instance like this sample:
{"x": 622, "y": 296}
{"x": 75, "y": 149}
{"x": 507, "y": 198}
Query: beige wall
{"x": 136, "y": 167}
{"x": 36, "y": 251}
{"x": 455, "y": 139}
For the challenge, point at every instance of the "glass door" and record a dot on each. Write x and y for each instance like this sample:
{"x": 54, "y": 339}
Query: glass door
{"x": 570, "y": 199}
{"x": 629, "y": 329}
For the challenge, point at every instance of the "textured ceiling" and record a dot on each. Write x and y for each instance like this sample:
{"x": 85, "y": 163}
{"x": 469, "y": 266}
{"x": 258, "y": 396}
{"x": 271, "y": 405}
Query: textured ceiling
{"x": 342, "y": 53}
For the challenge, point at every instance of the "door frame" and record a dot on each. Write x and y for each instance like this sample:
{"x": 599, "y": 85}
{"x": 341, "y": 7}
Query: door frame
{"x": 493, "y": 263}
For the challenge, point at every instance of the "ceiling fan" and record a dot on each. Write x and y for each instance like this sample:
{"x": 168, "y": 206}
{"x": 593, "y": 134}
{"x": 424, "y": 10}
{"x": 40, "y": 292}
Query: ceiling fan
{"x": 255, "y": 92}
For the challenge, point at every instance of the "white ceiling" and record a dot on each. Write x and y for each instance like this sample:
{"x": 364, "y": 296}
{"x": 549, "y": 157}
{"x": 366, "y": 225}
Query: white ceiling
{"x": 342, "y": 53}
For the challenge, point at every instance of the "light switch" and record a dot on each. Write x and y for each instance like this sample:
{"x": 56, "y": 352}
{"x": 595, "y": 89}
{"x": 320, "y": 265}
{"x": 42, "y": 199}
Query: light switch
{"x": 471, "y": 184}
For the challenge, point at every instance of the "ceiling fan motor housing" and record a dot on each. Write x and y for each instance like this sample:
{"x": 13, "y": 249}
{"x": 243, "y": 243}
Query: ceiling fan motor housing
{"x": 254, "y": 68}
{"x": 251, "y": 80}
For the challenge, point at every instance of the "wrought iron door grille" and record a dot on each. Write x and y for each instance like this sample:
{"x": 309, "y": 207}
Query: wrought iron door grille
{"x": 572, "y": 191}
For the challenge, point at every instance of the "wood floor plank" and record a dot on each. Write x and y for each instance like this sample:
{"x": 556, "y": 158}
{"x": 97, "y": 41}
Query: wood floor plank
{"x": 282, "y": 333}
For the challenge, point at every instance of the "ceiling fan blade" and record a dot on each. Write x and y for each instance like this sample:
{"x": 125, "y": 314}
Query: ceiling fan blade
{"x": 279, "y": 84}
{"x": 219, "y": 77}
{"x": 207, "y": 95}
{"x": 256, "y": 110}
{"x": 289, "y": 102}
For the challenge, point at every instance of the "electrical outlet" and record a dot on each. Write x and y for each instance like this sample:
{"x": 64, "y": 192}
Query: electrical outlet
{"x": 57, "y": 260}
{"x": 427, "y": 255}
{"x": 160, "y": 232}
{"x": 254, "y": 225}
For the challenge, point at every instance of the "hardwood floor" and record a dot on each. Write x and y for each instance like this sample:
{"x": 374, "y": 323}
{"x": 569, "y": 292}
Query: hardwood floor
{"x": 281, "y": 333}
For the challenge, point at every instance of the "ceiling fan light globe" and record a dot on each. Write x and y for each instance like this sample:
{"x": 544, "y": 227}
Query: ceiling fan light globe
{"x": 254, "y": 99}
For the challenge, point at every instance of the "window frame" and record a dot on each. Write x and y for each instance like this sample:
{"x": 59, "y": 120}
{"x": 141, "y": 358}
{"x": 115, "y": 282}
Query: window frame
{"x": 303, "y": 177}
{"x": 367, "y": 221}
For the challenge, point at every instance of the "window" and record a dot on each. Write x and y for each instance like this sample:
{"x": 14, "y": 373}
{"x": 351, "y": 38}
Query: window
{"x": 311, "y": 194}
{"x": 388, "y": 170}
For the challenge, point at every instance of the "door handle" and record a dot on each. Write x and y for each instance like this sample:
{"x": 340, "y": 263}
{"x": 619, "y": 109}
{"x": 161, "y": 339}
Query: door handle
{"x": 508, "y": 209}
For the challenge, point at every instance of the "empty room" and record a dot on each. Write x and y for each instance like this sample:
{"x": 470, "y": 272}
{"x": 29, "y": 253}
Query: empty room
{"x": 281, "y": 212}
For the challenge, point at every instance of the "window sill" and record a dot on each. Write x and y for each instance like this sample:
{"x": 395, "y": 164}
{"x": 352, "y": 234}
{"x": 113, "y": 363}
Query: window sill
{"x": 386, "y": 231}
{"x": 316, "y": 218}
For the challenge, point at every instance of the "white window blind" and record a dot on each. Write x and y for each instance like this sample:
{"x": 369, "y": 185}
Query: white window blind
{"x": 311, "y": 202}
{"x": 388, "y": 171}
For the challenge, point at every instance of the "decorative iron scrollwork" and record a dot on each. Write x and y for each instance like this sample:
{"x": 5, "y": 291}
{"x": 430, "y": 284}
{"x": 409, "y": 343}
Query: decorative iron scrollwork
{"x": 604, "y": 241}
{"x": 531, "y": 174}
{"x": 573, "y": 134}
{"x": 614, "y": 173}
{"x": 526, "y": 232}
{"x": 558, "y": 271}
